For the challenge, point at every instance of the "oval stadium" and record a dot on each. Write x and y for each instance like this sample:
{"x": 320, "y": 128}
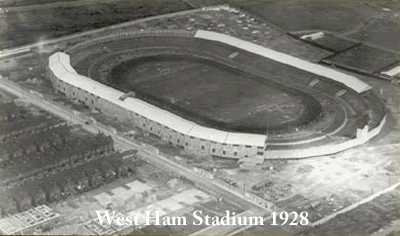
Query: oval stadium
{"x": 213, "y": 94}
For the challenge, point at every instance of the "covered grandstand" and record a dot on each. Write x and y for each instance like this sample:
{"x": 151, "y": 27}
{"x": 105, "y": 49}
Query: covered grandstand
{"x": 209, "y": 140}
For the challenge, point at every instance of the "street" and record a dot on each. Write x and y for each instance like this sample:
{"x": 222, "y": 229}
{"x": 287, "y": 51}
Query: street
{"x": 208, "y": 184}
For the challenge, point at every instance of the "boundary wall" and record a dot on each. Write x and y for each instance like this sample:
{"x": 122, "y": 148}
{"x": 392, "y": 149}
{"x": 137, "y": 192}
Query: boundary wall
{"x": 186, "y": 134}
{"x": 327, "y": 149}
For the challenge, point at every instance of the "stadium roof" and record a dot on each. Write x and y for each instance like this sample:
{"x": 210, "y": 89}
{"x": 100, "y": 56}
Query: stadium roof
{"x": 59, "y": 64}
{"x": 350, "y": 81}
{"x": 393, "y": 71}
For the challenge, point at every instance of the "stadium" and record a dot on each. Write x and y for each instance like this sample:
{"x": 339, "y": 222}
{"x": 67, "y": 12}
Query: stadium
{"x": 213, "y": 94}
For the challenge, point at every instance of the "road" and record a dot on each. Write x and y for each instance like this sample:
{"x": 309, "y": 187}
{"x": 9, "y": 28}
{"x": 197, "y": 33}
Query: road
{"x": 208, "y": 184}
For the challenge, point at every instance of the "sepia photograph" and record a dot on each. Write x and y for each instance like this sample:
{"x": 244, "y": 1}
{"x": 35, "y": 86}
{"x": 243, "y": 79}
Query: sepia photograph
{"x": 199, "y": 117}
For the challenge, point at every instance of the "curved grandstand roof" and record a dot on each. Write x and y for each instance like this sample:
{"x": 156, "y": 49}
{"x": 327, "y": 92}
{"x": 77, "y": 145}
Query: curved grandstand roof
{"x": 350, "y": 81}
{"x": 59, "y": 64}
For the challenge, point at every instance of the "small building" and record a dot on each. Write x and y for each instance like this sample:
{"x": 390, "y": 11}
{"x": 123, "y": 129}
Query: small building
{"x": 35, "y": 220}
{"x": 313, "y": 36}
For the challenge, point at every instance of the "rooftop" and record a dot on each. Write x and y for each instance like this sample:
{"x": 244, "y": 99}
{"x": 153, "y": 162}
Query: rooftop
{"x": 22, "y": 221}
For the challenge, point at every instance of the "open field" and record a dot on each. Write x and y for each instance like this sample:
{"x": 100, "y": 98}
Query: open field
{"x": 18, "y": 3}
{"x": 383, "y": 32}
{"x": 363, "y": 220}
{"x": 363, "y": 58}
{"x": 374, "y": 215}
{"x": 20, "y": 28}
{"x": 305, "y": 15}
{"x": 356, "y": 19}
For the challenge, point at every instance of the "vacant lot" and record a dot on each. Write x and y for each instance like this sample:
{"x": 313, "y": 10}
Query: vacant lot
{"x": 24, "y": 27}
{"x": 364, "y": 58}
{"x": 19, "y": 3}
{"x": 373, "y": 215}
{"x": 380, "y": 28}
{"x": 383, "y": 32}
{"x": 303, "y": 15}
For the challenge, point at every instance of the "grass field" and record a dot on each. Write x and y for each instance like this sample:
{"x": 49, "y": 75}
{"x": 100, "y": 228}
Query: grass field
{"x": 214, "y": 91}
{"x": 374, "y": 215}
{"x": 340, "y": 17}
{"x": 364, "y": 58}
{"x": 24, "y": 27}
{"x": 383, "y": 32}
{"x": 304, "y": 15}
{"x": 19, "y": 3}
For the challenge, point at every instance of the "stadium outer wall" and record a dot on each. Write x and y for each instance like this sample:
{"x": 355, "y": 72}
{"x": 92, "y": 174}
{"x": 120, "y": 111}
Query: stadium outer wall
{"x": 198, "y": 139}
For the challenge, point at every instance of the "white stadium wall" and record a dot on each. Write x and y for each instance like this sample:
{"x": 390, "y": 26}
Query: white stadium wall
{"x": 184, "y": 133}
{"x": 171, "y": 128}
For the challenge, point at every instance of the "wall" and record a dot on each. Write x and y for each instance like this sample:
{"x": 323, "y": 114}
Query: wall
{"x": 184, "y": 140}
{"x": 190, "y": 143}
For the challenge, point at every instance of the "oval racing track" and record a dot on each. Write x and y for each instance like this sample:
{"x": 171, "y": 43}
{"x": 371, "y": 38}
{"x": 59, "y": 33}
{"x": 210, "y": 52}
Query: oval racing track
{"x": 90, "y": 66}
{"x": 97, "y": 59}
